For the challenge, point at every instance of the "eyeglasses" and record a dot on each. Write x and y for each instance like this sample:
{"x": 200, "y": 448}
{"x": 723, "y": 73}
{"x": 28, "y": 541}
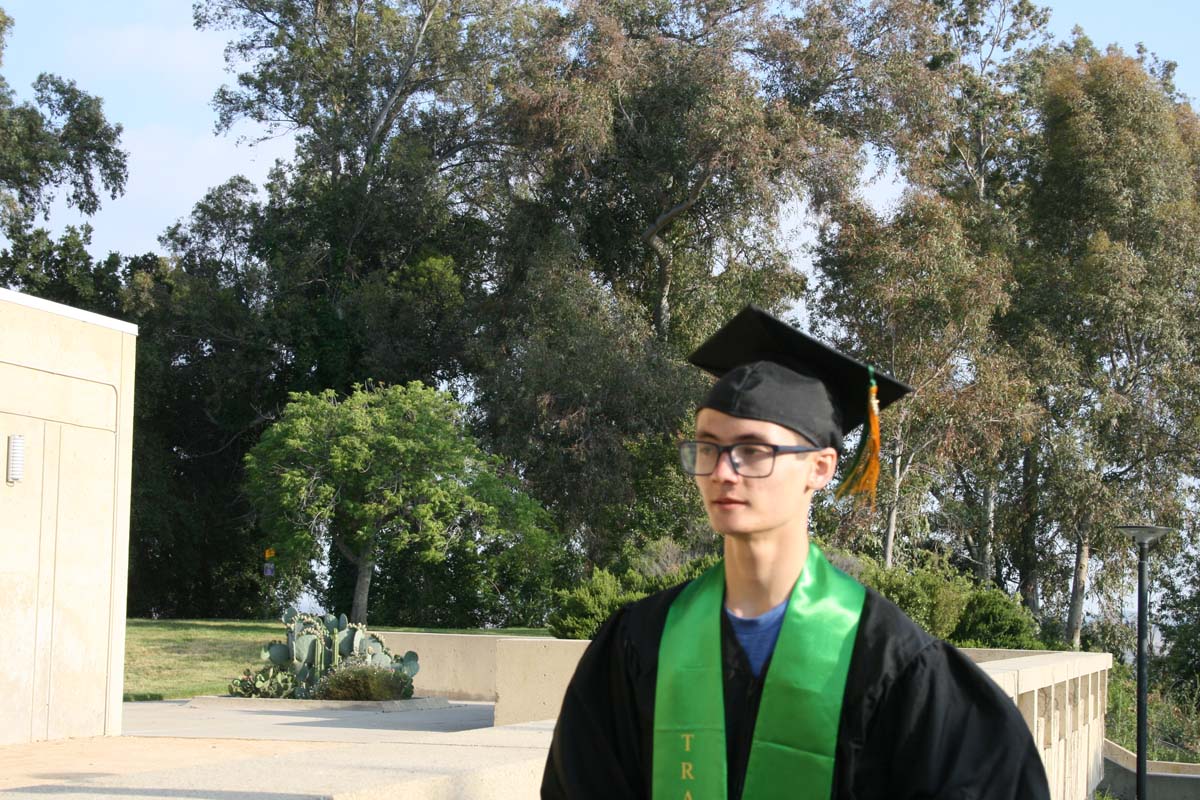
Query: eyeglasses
{"x": 750, "y": 460}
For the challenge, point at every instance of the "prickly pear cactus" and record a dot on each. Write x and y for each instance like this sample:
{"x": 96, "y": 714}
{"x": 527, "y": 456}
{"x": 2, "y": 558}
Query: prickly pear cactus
{"x": 269, "y": 681}
{"x": 315, "y": 646}
{"x": 408, "y": 664}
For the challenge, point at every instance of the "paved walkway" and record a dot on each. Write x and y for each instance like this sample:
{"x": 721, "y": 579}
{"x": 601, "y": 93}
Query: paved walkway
{"x": 228, "y": 750}
{"x": 297, "y": 720}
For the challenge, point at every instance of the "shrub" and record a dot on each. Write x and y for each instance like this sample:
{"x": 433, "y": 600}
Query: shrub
{"x": 317, "y": 644}
{"x": 582, "y": 610}
{"x": 268, "y": 681}
{"x": 933, "y": 593}
{"x": 361, "y": 680}
{"x": 1110, "y": 636}
{"x": 990, "y": 618}
{"x": 1173, "y": 716}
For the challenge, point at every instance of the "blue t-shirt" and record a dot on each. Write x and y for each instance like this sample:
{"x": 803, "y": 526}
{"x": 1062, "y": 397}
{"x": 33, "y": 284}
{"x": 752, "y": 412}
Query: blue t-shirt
{"x": 757, "y": 635}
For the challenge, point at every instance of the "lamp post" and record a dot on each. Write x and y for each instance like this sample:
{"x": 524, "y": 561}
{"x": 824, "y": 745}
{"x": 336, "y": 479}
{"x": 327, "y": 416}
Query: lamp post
{"x": 1144, "y": 535}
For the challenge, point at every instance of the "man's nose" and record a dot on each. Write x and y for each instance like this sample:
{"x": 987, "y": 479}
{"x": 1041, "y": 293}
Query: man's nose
{"x": 724, "y": 470}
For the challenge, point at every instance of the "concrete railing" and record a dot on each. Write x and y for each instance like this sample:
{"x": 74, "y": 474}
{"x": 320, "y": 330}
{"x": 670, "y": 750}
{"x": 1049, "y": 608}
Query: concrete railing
{"x": 1062, "y": 696}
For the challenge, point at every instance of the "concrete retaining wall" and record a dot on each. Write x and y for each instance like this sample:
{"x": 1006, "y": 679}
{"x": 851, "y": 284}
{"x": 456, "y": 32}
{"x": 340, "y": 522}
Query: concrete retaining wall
{"x": 66, "y": 387}
{"x": 1165, "y": 780}
{"x": 458, "y": 666}
{"x": 1062, "y": 696}
{"x": 532, "y": 677}
{"x": 525, "y": 676}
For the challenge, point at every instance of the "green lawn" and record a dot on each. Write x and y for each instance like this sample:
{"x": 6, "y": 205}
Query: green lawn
{"x": 168, "y": 659}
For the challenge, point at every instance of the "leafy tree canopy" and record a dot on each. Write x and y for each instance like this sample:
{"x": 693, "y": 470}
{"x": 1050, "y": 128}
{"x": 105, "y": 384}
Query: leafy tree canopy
{"x": 386, "y": 469}
{"x": 61, "y": 140}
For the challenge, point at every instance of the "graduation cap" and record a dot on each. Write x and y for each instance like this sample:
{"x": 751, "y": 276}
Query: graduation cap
{"x": 768, "y": 370}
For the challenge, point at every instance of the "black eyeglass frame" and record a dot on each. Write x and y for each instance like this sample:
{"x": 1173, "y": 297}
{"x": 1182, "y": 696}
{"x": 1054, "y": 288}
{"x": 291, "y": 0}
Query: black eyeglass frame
{"x": 722, "y": 449}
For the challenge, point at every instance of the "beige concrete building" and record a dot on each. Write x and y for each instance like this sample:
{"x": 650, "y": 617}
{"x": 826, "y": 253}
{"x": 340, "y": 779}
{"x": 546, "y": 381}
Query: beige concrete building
{"x": 66, "y": 433}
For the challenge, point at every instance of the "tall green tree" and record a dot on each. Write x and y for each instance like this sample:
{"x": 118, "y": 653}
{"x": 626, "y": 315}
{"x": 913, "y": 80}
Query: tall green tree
{"x": 660, "y": 146}
{"x": 1106, "y": 312}
{"x": 917, "y": 295}
{"x": 581, "y": 397}
{"x": 369, "y": 227}
{"x": 351, "y": 265}
{"x": 670, "y": 137}
{"x": 60, "y": 141}
{"x": 211, "y": 374}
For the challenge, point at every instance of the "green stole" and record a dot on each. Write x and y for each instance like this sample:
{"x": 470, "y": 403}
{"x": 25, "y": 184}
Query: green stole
{"x": 795, "y": 735}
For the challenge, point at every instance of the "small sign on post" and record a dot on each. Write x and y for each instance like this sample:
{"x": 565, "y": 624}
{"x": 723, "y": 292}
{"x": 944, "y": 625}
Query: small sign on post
{"x": 269, "y": 553}
{"x": 269, "y": 569}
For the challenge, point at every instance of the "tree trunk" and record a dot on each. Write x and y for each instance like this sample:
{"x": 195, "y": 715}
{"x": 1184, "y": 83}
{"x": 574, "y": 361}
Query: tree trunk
{"x": 1027, "y": 555}
{"x": 889, "y": 538}
{"x": 662, "y": 306}
{"x": 362, "y": 585}
{"x": 981, "y": 548}
{"x": 989, "y": 530}
{"x": 1078, "y": 588}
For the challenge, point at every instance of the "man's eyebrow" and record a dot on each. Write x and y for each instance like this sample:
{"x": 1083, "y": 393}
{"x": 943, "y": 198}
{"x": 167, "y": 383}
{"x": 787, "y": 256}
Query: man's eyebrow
{"x": 745, "y": 437}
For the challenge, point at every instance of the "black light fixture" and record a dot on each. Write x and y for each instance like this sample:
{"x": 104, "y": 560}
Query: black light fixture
{"x": 1144, "y": 535}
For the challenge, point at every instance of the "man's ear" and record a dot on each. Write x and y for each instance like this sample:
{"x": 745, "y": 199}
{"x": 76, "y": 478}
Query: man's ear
{"x": 824, "y": 466}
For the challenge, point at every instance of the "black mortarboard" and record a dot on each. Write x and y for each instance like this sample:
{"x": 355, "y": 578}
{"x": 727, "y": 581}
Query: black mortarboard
{"x": 768, "y": 370}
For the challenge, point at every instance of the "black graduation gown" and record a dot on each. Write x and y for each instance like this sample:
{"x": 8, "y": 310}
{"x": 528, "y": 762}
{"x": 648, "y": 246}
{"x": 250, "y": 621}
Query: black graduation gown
{"x": 919, "y": 719}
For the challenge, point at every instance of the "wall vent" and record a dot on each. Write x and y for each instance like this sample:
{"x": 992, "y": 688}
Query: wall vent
{"x": 16, "y": 458}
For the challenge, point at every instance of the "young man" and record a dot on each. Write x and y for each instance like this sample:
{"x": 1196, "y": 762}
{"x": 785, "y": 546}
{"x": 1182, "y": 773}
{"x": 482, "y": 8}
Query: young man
{"x": 774, "y": 674}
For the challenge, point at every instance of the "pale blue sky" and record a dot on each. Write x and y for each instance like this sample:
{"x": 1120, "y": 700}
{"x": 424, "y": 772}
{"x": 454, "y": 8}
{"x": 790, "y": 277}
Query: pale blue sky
{"x": 157, "y": 75}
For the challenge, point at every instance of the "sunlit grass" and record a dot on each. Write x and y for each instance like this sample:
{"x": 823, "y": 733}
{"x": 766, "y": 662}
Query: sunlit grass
{"x": 172, "y": 659}
{"x": 167, "y": 659}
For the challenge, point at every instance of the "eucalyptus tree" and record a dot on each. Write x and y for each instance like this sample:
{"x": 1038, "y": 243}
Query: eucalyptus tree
{"x": 373, "y": 225}
{"x": 918, "y": 295}
{"x": 661, "y": 145}
{"x": 670, "y": 137}
{"x": 1106, "y": 313}
{"x": 917, "y": 289}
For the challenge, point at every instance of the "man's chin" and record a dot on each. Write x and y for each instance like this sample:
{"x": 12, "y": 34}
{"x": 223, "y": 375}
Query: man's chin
{"x": 733, "y": 530}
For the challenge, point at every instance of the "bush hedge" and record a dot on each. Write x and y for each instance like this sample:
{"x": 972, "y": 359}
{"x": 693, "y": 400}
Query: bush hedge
{"x": 583, "y": 609}
{"x": 356, "y": 680}
{"x": 992, "y": 618}
{"x": 933, "y": 593}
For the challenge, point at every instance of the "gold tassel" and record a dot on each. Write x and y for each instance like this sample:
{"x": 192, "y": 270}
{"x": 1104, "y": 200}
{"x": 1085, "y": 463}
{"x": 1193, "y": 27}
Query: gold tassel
{"x": 862, "y": 477}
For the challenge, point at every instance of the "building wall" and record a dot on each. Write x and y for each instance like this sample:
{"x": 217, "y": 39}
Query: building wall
{"x": 66, "y": 385}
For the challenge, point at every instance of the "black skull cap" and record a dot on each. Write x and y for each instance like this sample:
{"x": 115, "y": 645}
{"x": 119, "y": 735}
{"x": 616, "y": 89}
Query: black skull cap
{"x": 770, "y": 371}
